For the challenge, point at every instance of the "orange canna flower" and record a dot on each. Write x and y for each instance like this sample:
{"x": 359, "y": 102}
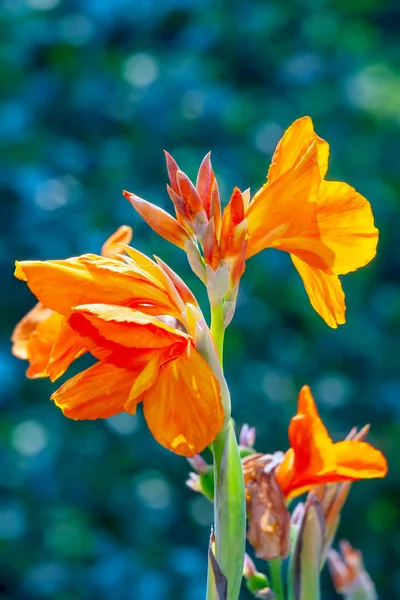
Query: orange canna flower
{"x": 326, "y": 226}
{"x": 119, "y": 311}
{"x": 313, "y": 458}
{"x": 34, "y": 336}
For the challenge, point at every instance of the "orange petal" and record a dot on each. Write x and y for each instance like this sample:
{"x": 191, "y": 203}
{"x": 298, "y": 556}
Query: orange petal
{"x": 159, "y": 220}
{"x": 116, "y": 328}
{"x": 285, "y": 208}
{"x": 341, "y": 237}
{"x": 211, "y": 249}
{"x": 40, "y": 345}
{"x": 172, "y": 169}
{"x": 183, "y": 408}
{"x": 66, "y": 348}
{"x": 184, "y": 292}
{"x": 205, "y": 183}
{"x": 346, "y": 226}
{"x": 233, "y": 215}
{"x": 143, "y": 382}
{"x": 192, "y": 199}
{"x": 311, "y": 454}
{"x": 98, "y": 392}
{"x": 112, "y": 247}
{"x": 309, "y": 438}
{"x": 294, "y": 144}
{"x": 25, "y": 327}
{"x": 324, "y": 291}
{"x": 62, "y": 284}
{"x": 359, "y": 460}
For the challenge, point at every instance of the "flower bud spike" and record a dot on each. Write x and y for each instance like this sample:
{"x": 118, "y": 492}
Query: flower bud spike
{"x": 181, "y": 211}
{"x": 159, "y": 220}
{"x": 307, "y": 553}
{"x": 215, "y": 209}
{"x": 192, "y": 199}
{"x": 205, "y": 182}
{"x": 172, "y": 168}
{"x": 211, "y": 246}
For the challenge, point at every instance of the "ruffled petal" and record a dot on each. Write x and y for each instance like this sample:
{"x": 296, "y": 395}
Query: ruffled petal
{"x": 118, "y": 327}
{"x": 359, "y": 460}
{"x": 25, "y": 327}
{"x": 97, "y": 393}
{"x": 183, "y": 408}
{"x": 294, "y": 144}
{"x": 40, "y": 345}
{"x": 62, "y": 284}
{"x": 324, "y": 291}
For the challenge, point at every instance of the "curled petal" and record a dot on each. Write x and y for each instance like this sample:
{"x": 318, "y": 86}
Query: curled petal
{"x": 97, "y": 393}
{"x": 324, "y": 291}
{"x": 25, "y": 327}
{"x": 112, "y": 247}
{"x": 294, "y": 144}
{"x": 183, "y": 408}
{"x": 159, "y": 220}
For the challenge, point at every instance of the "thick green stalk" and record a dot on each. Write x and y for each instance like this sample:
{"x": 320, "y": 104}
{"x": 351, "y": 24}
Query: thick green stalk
{"x": 275, "y": 566}
{"x": 229, "y": 494}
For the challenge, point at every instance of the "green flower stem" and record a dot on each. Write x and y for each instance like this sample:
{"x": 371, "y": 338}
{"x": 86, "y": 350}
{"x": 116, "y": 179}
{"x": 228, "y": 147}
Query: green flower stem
{"x": 229, "y": 495}
{"x": 275, "y": 566}
{"x": 218, "y": 329}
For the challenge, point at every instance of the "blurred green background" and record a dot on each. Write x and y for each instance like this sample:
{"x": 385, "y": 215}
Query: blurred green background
{"x": 91, "y": 92}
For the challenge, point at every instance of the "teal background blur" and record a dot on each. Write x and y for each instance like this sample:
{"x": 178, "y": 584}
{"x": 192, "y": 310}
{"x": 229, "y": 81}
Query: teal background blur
{"x": 91, "y": 92}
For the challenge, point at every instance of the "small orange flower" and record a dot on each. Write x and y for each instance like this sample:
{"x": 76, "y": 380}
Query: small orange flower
{"x": 34, "y": 336}
{"x": 313, "y": 458}
{"x": 326, "y": 226}
{"x": 119, "y": 311}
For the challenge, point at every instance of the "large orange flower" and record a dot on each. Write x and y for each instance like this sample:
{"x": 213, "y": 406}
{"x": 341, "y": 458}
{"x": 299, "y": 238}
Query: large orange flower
{"x": 119, "y": 311}
{"x": 34, "y": 336}
{"x": 326, "y": 226}
{"x": 313, "y": 458}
